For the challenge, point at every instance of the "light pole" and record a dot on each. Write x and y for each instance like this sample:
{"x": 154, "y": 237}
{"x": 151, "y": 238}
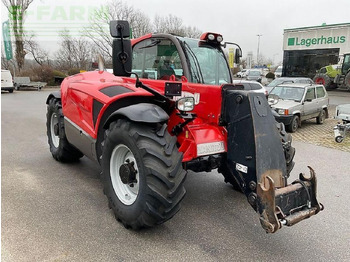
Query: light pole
{"x": 257, "y": 55}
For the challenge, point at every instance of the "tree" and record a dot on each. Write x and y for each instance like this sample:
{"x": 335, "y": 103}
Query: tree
{"x": 74, "y": 52}
{"x": 98, "y": 30}
{"x": 32, "y": 47}
{"x": 17, "y": 10}
{"x": 173, "y": 25}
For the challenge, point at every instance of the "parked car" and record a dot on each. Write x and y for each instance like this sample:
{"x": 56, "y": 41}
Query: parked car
{"x": 242, "y": 73}
{"x": 278, "y": 71}
{"x": 287, "y": 80}
{"x": 6, "y": 81}
{"x": 295, "y": 103}
{"x": 251, "y": 85}
{"x": 254, "y": 75}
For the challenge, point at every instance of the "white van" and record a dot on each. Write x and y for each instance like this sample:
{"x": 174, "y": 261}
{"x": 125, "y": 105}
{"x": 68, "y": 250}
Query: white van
{"x": 278, "y": 71}
{"x": 6, "y": 81}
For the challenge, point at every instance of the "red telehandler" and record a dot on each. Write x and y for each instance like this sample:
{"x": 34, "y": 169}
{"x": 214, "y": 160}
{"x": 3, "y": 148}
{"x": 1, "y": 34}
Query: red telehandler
{"x": 170, "y": 106}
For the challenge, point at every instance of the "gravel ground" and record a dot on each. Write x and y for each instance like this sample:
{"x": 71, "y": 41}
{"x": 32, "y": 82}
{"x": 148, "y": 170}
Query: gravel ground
{"x": 321, "y": 135}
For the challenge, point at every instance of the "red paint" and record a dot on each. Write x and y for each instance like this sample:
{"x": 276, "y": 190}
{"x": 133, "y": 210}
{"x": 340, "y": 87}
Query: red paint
{"x": 79, "y": 91}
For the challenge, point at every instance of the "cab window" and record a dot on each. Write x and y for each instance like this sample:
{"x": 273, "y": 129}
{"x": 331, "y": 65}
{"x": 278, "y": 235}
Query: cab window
{"x": 156, "y": 58}
{"x": 310, "y": 94}
{"x": 320, "y": 92}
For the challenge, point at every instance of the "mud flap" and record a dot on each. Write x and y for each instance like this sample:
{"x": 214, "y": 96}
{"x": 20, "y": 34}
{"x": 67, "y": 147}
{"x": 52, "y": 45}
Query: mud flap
{"x": 255, "y": 157}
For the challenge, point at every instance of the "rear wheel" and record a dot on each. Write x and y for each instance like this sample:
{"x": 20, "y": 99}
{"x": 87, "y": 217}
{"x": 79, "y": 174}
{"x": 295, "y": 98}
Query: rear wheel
{"x": 142, "y": 173}
{"x": 322, "y": 117}
{"x": 60, "y": 148}
{"x": 324, "y": 80}
{"x": 293, "y": 126}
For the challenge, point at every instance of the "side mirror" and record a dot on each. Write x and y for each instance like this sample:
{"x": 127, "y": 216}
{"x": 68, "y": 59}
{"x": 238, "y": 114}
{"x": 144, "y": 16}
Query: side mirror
{"x": 238, "y": 55}
{"x": 119, "y": 28}
{"x": 122, "y": 51}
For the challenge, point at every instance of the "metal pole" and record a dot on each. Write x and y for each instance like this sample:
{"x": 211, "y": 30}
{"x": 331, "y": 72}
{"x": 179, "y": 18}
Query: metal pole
{"x": 257, "y": 55}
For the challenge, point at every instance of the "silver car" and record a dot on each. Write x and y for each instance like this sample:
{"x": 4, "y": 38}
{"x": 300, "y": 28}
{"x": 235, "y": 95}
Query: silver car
{"x": 252, "y": 86}
{"x": 294, "y": 103}
{"x": 254, "y": 75}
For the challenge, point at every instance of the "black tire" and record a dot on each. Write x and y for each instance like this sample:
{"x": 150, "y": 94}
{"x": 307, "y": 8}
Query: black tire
{"x": 324, "y": 80}
{"x": 347, "y": 81}
{"x": 228, "y": 176}
{"x": 289, "y": 150}
{"x": 339, "y": 139}
{"x": 10, "y": 91}
{"x": 322, "y": 117}
{"x": 60, "y": 148}
{"x": 293, "y": 126}
{"x": 159, "y": 177}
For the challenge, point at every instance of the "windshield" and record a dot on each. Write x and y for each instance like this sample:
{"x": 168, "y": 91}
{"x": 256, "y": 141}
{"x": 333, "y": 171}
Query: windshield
{"x": 288, "y": 93}
{"x": 254, "y": 73}
{"x": 207, "y": 63}
{"x": 279, "y": 81}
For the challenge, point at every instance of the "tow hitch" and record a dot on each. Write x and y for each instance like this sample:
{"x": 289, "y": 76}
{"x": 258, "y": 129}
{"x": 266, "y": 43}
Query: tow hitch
{"x": 256, "y": 158}
{"x": 287, "y": 205}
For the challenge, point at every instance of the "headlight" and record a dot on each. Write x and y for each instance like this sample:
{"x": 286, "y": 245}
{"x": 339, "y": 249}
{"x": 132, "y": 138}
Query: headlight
{"x": 283, "y": 111}
{"x": 185, "y": 104}
{"x": 211, "y": 37}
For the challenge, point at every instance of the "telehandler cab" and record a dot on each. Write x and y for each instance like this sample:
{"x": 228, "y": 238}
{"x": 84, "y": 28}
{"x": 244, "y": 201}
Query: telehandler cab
{"x": 170, "y": 106}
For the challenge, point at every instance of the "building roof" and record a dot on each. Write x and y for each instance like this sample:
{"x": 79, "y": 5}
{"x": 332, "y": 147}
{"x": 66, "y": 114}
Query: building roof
{"x": 323, "y": 26}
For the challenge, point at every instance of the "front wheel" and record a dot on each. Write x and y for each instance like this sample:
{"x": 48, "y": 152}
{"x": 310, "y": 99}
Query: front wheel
{"x": 142, "y": 173}
{"x": 293, "y": 126}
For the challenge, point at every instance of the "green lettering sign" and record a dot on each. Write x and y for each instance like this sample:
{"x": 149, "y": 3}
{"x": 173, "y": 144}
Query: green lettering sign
{"x": 293, "y": 41}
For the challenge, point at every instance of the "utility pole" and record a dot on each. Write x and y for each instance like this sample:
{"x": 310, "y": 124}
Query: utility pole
{"x": 257, "y": 55}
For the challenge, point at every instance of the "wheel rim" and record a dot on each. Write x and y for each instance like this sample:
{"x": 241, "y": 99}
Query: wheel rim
{"x": 126, "y": 193}
{"x": 53, "y": 122}
{"x": 320, "y": 80}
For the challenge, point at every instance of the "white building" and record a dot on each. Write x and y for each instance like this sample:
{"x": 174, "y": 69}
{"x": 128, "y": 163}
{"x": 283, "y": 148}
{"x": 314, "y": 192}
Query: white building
{"x": 307, "y": 49}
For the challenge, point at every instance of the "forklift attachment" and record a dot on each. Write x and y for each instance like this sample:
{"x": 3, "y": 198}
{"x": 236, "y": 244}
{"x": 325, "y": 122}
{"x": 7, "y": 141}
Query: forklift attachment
{"x": 255, "y": 157}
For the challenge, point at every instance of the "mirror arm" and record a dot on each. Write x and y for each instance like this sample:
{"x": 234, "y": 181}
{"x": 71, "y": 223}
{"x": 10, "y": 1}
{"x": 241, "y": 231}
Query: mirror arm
{"x": 231, "y": 43}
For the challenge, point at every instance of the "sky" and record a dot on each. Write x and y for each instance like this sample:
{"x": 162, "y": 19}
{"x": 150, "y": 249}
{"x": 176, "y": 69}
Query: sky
{"x": 237, "y": 21}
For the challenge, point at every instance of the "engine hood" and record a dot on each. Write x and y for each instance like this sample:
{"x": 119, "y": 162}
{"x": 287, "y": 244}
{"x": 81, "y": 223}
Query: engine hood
{"x": 286, "y": 104}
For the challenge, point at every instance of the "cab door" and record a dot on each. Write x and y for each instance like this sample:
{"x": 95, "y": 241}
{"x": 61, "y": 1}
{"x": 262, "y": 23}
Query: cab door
{"x": 309, "y": 104}
{"x": 322, "y": 98}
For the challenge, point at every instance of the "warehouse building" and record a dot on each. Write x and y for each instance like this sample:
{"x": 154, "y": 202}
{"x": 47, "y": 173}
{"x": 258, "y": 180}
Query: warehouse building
{"x": 307, "y": 49}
